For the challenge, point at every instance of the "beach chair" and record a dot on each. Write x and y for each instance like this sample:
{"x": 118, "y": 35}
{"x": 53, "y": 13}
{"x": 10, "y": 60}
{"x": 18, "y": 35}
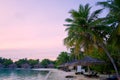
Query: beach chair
{"x": 92, "y": 74}
{"x": 112, "y": 78}
{"x": 70, "y": 77}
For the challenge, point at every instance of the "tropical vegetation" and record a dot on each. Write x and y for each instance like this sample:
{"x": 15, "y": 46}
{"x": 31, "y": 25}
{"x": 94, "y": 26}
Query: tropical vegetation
{"x": 91, "y": 33}
{"x": 26, "y": 63}
{"x": 88, "y": 34}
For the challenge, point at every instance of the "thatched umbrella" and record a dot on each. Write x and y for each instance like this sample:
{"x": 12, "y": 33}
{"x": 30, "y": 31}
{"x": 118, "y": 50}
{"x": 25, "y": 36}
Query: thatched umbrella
{"x": 90, "y": 61}
{"x": 87, "y": 61}
{"x": 74, "y": 63}
{"x": 61, "y": 66}
{"x": 67, "y": 64}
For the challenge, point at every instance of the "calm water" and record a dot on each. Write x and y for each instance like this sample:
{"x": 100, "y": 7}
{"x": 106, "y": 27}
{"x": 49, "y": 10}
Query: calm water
{"x": 7, "y": 74}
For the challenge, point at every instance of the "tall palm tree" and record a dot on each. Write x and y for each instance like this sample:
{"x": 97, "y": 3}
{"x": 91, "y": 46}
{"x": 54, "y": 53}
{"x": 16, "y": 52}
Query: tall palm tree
{"x": 86, "y": 31}
{"x": 81, "y": 27}
{"x": 113, "y": 19}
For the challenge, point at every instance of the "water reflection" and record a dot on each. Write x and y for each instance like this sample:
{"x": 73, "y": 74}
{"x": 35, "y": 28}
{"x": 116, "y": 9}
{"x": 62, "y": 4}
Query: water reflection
{"x": 7, "y": 74}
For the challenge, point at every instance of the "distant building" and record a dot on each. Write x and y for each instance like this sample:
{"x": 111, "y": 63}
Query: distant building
{"x": 12, "y": 66}
{"x": 38, "y": 66}
{"x": 1, "y": 66}
{"x": 51, "y": 65}
{"x": 25, "y": 66}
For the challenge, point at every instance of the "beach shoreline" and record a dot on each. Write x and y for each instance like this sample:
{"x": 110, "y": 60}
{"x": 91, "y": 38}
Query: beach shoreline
{"x": 56, "y": 74}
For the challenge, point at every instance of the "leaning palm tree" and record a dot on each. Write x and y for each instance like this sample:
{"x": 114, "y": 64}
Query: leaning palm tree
{"x": 113, "y": 19}
{"x": 86, "y": 31}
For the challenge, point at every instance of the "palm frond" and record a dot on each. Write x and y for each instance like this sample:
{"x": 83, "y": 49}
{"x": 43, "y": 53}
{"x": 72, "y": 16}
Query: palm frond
{"x": 84, "y": 11}
{"x": 68, "y": 20}
{"x": 74, "y": 14}
{"x": 95, "y": 14}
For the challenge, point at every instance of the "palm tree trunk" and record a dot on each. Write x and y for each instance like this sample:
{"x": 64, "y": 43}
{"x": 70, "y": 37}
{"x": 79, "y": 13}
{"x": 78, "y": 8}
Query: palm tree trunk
{"x": 112, "y": 61}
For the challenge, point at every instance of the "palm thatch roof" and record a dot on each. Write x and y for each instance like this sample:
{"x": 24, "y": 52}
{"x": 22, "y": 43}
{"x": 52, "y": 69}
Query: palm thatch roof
{"x": 86, "y": 61}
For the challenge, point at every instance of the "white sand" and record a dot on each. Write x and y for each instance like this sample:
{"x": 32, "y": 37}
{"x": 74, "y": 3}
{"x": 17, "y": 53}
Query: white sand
{"x": 55, "y": 74}
{"x": 81, "y": 77}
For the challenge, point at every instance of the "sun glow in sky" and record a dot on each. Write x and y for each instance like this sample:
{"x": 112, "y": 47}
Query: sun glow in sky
{"x": 34, "y": 28}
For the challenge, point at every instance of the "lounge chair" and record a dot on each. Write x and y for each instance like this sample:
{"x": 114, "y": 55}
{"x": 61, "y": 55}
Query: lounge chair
{"x": 70, "y": 77}
{"x": 77, "y": 73}
{"x": 112, "y": 78}
{"x": 92, "y": 74}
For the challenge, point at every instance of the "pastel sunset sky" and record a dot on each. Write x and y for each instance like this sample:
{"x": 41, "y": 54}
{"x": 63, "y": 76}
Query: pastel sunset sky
{"x": 34, "y": 28}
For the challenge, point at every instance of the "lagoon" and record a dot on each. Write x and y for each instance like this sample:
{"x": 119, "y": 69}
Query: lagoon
{"x": 22, "y": 74}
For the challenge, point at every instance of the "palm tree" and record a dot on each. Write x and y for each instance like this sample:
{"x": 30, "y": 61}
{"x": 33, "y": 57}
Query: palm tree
{"x": 81, "y": 27}
{"x": 86, "y": 31}
{"x": 113, "y": 19}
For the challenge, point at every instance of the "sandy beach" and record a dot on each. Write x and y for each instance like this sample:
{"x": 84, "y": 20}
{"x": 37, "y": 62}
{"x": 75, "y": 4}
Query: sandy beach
{"x": 55, "y": 74}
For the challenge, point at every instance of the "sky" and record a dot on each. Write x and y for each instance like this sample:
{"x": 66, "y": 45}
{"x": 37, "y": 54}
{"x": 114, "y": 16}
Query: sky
{"x": 34, "y": 28}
